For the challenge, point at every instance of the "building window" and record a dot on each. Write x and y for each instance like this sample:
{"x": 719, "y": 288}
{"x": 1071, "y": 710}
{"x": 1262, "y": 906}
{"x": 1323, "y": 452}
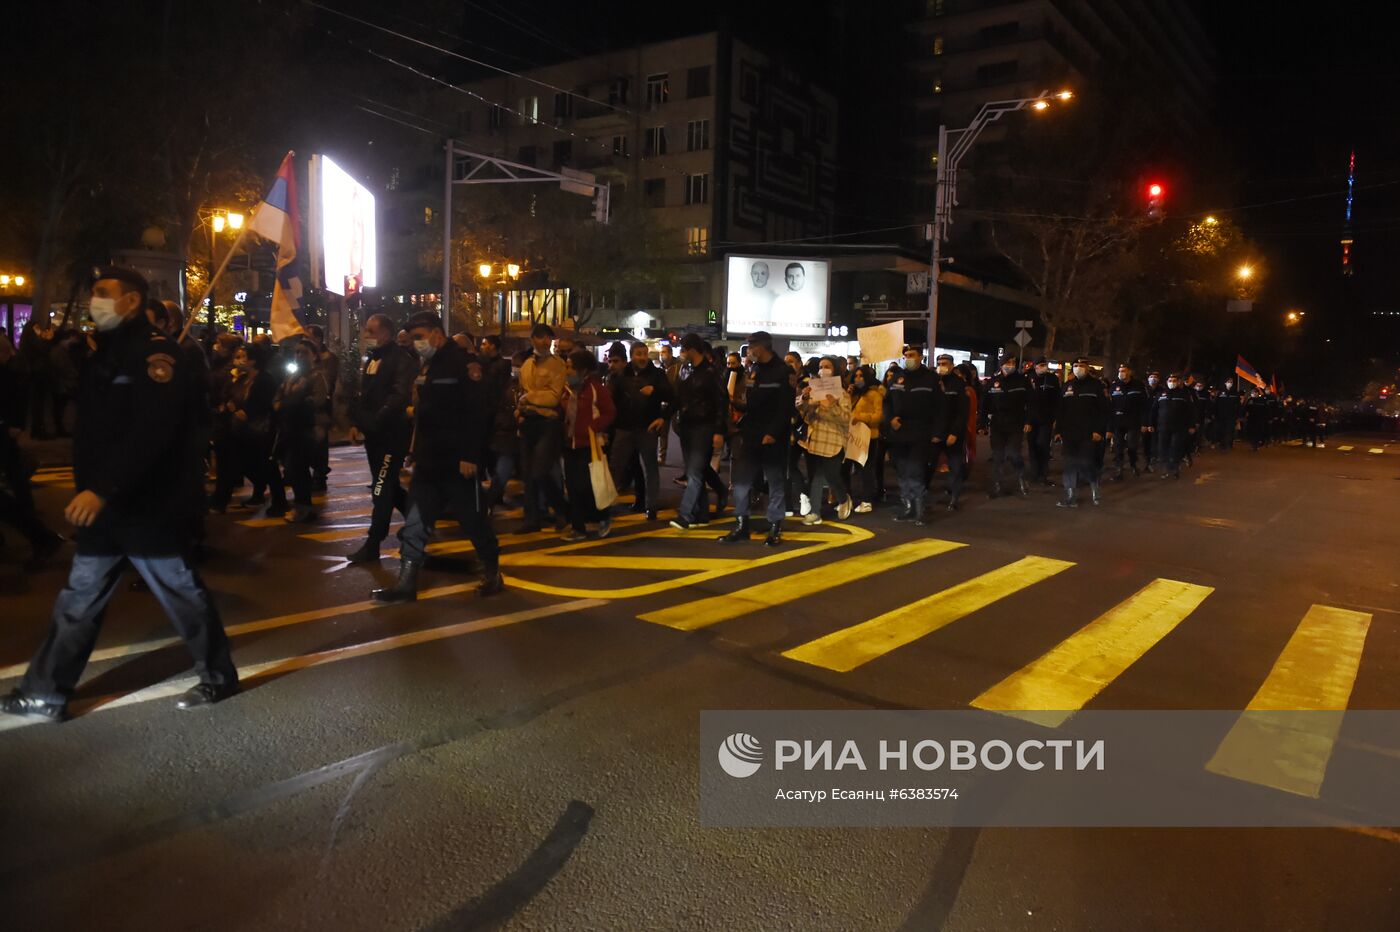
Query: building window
{"x": 654, "y": 192}
{"x": 997, "y": 72}
{"x": 495, "y": 117}
{"x": 654, "y": 142}
{"x": 528, "y": 110}
{"x": 938, "y": 45}
{"x": 527, "y": 155}
{"x": 563, "y": 151}
{"x": 563, "y": 106}
{"x": 617, "y": 92}
{"x": 697, "y": 135}
{"x": 427, "y": 215}
{"x": 697, "y": 82}
{"x": 620, "y": 146}
{"x": 697, "y": 188}
{"x": 658, "y": 88}
{"x": 938, "y": 85}
{"x": 697, "y": 241}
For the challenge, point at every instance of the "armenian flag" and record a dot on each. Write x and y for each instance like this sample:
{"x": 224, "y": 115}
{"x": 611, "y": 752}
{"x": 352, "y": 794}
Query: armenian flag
{"x": 1245, "y": 371}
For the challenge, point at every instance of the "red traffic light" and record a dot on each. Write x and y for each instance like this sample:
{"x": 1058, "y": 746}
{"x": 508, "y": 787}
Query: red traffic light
{"x": 1154, "y": 190}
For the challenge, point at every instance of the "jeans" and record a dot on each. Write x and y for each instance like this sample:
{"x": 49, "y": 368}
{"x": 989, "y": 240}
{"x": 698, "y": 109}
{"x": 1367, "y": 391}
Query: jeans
{"x": 628, "y": 446}
{"x": 696, "y": 444}
{"x": 386, "y": 493}
{"x": 752, "y": 457}
{"x": 911, "y": 466}
{"x": 77, "y": 620}
{"x": 428, "y": 496}
{"x": 542, "y": 439}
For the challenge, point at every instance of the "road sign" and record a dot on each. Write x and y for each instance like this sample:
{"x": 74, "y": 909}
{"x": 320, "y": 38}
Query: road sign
{"x": 1025, "y": 324}
{"x": 1022, "y": 338}
{"x": 916, "y": 283}
{"x": 577, "y": 182}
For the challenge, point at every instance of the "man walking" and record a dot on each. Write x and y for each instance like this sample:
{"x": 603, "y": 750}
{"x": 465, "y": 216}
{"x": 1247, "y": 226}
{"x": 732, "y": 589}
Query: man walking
{"x": 643, "y": 399}
{"x": 763, "y": 440}
{"x": 1128, "y": 398}
{"x": 1043, "y": 405}
{"x": 1003, "y": 416}
{"x": 380, "y": 416}
{"x": 1080, "y": 425}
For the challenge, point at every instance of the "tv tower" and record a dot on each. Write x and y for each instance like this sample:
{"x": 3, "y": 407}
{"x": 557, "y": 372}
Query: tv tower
{"x": 1347, "y": 238}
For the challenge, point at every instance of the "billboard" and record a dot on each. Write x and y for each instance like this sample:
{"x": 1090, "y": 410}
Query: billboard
{"x": 343, "y": 256}
{"x": 786, "y": 297}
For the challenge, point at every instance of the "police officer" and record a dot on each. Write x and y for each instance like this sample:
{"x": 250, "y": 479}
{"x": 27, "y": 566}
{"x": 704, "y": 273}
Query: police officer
{"x": 1128, "y": 398}
{"x": 1257, "y": 412}
{"x": 1043, "y": 404}
{"x": 1080, "y": 424}
{"x": 911, "y": 408}
{"x": 1151, "y": 450}
{"x": 1174, "y": 420}
{"x": 453, "y": 423}
{"x": 1227, "y": 415}
{"x": 950, "y": 426}
{"x": 764, "y": 434}
{"x": 1003, "y": 416}
{"x": 132, "y": 463}
{"x": 379, "y": 414}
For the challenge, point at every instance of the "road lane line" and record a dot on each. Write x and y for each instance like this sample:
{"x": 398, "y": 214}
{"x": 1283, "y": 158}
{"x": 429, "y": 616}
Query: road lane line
{"x": 1315, "y": 674}
{"x": 1346, "y": 449}
{"x": 1377, "y": 450}
{"x": 690, "y": 616}
{"x": 851, "y": 647}
{"x": 1049, "y": 690}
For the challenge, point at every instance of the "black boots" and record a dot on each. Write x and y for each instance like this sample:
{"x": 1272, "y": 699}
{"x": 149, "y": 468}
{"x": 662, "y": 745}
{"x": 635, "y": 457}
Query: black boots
{"x": 740, "y": 533}
{"x": 491, "y": 584}
{"x": 368, "y": 553}
{"x": 406, "y": 589}
{"x": 906, "y": 513}
{"x": 1068, "y": 501}
{"x": 775, "y": 535}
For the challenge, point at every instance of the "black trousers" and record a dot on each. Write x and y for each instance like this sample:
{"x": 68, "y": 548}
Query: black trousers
{"x": 299, "y": 452}
{"x": 1006, "y": 447}
{"x": 824, "y": 472}
{"x": 1126, "y": 441}
{"x": 582, "y": 507}
{"x": 911, "y": 466}
{"x": 541, "y": 442}
{"x": 636, "y": 449}
{"x": 957, "y": 466}
{"x": 1083, "y": 458}
{"x": 78, "y": 612}
{"x": 751, "y": 457}
{"x": 1174, "y": 444}
{"x": 428, "y": 496}
{"x": 386, "y": 493}
{"x": 1040, "y": 439}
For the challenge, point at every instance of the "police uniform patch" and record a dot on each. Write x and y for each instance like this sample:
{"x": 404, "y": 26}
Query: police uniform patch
{"x": 160, "y": 367}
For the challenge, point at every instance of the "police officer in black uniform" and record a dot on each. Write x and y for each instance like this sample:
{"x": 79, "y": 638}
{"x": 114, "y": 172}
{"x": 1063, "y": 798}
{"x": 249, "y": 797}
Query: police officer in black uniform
{"x": 1128, "y": 397}
{"x": 132, "y": 467}
{"x": 1227, "y": 415}
{"x": 1003, "y": 416}
{"x": 1174, "y": 420}
{"x": 1257, "y": 412}
{"x": 1043, "y": 405}
{"x": 380, "y": 415}
{"x": 453, "y": 420}
{"x": 764, "y": 434}
{"x": 1080, "y": 424}
{"x": 950, "y": 426}
{"x": 911, "y": 407}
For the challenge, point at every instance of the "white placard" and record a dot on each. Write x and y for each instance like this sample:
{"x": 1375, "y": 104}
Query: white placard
{"x": 882, "y": 343}
{"x": 822, "y": 387}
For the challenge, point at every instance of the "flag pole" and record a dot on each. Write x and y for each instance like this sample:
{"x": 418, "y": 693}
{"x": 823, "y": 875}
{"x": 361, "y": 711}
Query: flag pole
{"x": 208, "y": 292}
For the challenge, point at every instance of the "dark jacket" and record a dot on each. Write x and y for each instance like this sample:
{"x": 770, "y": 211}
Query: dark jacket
{"x": 768, "y": 402}
{"x": 1005, "y": 403}
{"x": 380, "y": 411}
{"x": 950, "y": 420}
{"x": 1130, "y": 405}
{"x": 131, "y": 446}
{"x": 1044, "y": 401}
{"x": 1227, "y": 405}
{"x": 913, "y": 396}
{"x": 1174, "y": 409}
{"x": 636, "y": 410}
{"x": 1083, "y": 409}
{"x": 454, "y": 419}
{"x": 700, "y": 401}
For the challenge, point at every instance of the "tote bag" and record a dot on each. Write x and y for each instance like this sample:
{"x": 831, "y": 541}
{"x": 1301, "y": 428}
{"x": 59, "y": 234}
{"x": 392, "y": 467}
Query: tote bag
{"x": 604, "y": 491}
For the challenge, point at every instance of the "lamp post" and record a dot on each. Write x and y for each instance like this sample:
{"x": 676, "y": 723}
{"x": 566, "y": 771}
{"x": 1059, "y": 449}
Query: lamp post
{"x": 219, "y": 220}
{"x": 952, "y": 146}
{"x": 510, "y": 273}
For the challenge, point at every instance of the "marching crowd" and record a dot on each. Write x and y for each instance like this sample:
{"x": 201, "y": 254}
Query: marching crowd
{"x": 159, "y": 416}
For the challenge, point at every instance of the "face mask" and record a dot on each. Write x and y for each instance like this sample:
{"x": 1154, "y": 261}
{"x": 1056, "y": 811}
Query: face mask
{"x": 912, "y": 364}
{"x": 1172, "y": 383}
{"x": 1080, "y": 372}
{"x": 944, "y": 369}
{"x": 1152, "y": 382}
{"x": 424, "y": 349}
{"x": 1123, "y": 376}
{"x": 370, "y": 344}
{"x": 574, "y": 380}
{"x": 826, "y": 373}
{"x": 860, "y": 383}
{"x": 1229, "y": 384}
{"x": 104, "y": 313}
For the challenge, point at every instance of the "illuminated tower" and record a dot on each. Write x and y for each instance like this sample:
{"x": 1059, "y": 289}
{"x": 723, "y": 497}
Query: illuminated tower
{"x": 1346, "y": 228}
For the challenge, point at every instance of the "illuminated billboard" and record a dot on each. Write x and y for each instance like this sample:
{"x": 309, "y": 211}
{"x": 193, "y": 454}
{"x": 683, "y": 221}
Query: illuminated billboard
{"x": 785, "y": 297}
{"x": 342, "y": 230}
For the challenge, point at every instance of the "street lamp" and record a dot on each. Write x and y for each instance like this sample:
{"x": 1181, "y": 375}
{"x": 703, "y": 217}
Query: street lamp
{"x": 1211, "y": 221}
{"x": 1245, "y": 272}
{"x": 510, "y": 272}
{"x": 952, "y": 146}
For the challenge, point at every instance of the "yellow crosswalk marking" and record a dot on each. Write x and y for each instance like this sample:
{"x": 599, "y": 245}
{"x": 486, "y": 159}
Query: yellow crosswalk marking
{"x": 1377, "y": 450}
{"x": 1049, "y": 690}
{"x": 851, "y": 647}
{"x": 1346, "y": 449}
{"x": 1315, "y": 673}
{"x": 690, "y": 616}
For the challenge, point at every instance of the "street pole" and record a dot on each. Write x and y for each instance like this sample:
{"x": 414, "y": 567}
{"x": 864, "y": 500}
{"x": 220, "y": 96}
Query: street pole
{"x": 209, "y": 327}
{"x": 447, "y": 239}
{"x": 936, "y": 257}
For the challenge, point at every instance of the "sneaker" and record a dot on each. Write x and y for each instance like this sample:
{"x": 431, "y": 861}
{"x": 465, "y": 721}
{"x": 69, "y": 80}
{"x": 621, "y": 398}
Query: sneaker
{"x": 680, "y": 523}
{"x": 864, "y": 508}
{"x": 804, "y": 505}
{"x": 604, "y": 528}
{"x": 812, "y": 518}
{"x": 843, "y": 510}
{"x": 572, "y": 537}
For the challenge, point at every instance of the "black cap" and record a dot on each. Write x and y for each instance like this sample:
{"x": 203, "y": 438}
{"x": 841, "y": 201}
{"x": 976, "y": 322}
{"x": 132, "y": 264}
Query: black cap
{"x": 1041, "y": 361}
{"x": 430, "y": 319}
{"x": 943, "y": 356}
{"x": 1081, "y": 361}
{"x": 1154, "y": 372}
{"x": 914, "y": 348}
{"x": 133, "y": 279}
{"x": 1125, "y": 365}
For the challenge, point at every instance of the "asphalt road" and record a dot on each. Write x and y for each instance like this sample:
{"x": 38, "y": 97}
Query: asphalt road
{"x": 530, "y": 761}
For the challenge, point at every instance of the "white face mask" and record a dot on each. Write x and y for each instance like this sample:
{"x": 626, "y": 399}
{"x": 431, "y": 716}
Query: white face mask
{"x": 424, "y": 349}
{"x": 1172, "y": 383}
{"x": 1080, "y": 372}
{"x": 826, "y": 373}
{"x": 944, "y": 368}
{"x": 104, "y": 313}
{"x": 1229, "y": 384}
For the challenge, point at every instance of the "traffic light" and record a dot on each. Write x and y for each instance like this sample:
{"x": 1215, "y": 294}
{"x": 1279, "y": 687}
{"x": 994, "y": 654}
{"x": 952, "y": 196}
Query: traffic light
{"x": 600, "y": 202}
{"x": 1156, "y": 194}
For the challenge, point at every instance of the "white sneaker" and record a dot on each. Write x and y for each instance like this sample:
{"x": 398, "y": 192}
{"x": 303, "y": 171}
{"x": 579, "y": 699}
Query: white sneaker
{"x": 804, "y": 505}
{"x": 864, "y": 508}
{"x": 843, "y": 510}
{"x": 812, "y": 518}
